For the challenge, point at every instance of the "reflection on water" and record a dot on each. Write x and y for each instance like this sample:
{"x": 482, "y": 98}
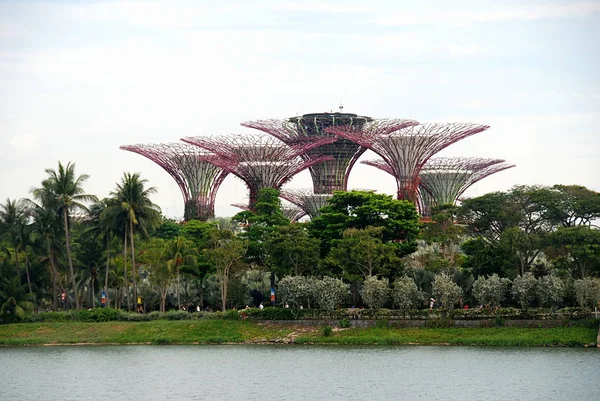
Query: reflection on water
{"x": 298, "y": 373}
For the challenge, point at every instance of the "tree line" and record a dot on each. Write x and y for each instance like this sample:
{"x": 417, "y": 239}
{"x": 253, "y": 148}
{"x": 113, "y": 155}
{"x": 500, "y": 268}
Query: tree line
{"x": 62, "y": 248}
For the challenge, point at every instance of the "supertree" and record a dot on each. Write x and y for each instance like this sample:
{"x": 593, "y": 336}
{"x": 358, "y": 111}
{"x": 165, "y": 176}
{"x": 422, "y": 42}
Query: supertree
{"x": 293, "y": 213}
{"x": 406, "y": 150}
{"x": 447, "y": 178}
{"x": 260, "y": 161}
{"x": 198, "y": 179}
{"x": 306, "y": 200}
{"x": 331, "y": 175}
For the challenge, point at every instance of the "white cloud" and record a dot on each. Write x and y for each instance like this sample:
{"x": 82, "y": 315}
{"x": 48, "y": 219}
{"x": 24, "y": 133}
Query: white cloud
{"x": 24, "y": 142}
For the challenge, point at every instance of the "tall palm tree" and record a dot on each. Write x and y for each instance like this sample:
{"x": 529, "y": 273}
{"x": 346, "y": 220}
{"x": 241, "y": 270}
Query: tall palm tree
{"x": 66, "y": 189}
{"x": 132, "y": 200}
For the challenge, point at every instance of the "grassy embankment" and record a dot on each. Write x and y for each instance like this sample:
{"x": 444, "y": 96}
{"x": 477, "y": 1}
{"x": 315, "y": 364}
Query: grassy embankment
{"x": 219, "y": 332}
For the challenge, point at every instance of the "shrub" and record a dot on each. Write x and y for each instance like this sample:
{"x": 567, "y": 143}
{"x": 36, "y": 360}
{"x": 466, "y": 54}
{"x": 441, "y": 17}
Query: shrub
{"x": 406, "y": 294}
{"x": 523, "y": 289}
{"x": 330, "y": 292}
{"x": 344, "y": 323}
{"x": 551, "y": 291}
{"x": 296, "y": 290}
{"x": 587, "y": 292}
{"x": 375, "y": 292}
{"x": 97, "y": 315}
{"x": 491, "y": 290}
{"x": 327, "y": 330}
{"x": 445, "y": 290}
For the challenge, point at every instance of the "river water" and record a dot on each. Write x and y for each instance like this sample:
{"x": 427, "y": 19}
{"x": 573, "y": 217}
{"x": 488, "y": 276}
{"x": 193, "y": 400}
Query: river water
{"x": 236, "y": 372}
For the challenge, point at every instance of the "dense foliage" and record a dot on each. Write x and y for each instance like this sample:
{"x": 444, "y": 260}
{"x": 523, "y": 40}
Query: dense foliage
{"x": 63, "y": 249}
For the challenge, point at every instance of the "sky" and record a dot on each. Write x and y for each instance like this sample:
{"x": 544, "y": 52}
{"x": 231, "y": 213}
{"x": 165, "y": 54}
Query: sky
{"x": 80, "y": 78}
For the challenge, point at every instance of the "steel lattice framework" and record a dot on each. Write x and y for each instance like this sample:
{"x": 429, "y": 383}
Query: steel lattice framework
{"x": 260, "y": 161}
{"x": 446, "y": 178}
{"x": 331, "y": 175}
{"x": 406, "y": 150}
{"x": 306, "y": 200}
{"x": 293, "y": 213}
{"x": 197, "y": 178}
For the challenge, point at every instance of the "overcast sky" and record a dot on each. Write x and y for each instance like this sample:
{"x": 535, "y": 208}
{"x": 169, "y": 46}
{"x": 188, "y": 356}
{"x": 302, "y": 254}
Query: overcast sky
{"x": 78, "y": 79}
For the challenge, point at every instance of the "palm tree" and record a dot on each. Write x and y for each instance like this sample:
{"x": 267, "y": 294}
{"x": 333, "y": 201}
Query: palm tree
{"x": 44, "y": 231}
{"x": 12, "y": 226}
{"x": 65, "y": 188}
{"x": 132, "y": 201}
{"x": 14, "y": 299}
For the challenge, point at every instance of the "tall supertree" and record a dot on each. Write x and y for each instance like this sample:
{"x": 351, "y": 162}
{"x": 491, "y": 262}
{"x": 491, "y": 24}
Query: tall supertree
{"x": 260, "y": 161}
{"x": 306, "y": 200}
{"x": 293, "y": 213}
{"x": 331, "y": 175}
{"x": 406, "y": 150}
{"x": 198, "y": 179}
{"x": 447, "y": 178}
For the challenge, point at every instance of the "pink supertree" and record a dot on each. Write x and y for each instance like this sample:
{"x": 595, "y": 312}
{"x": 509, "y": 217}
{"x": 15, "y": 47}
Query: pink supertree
{"x": 260, "y": 161}
{"x": 331, "y": 175}
{"x": 197, "y": 178}
{"x": 406, "y": 150}
{"x": 306, "y": 200}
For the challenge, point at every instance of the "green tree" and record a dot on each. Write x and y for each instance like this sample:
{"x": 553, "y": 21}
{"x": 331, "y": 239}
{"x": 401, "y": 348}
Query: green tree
{"x": 361, "y": 209}
{"x": 225, "y": 254}
{"x": 65, "y": 189}
{"x": 180, "y": 252}
{"x": 330, "y": 292}
{"x": 131, "y": 200}
{"x": 578, "y": 248}
{"x": 14, "y": 230}
{"x": 362, "y": 253}
{"x": 570, "y": 205}
{"x": 292, "y": 250}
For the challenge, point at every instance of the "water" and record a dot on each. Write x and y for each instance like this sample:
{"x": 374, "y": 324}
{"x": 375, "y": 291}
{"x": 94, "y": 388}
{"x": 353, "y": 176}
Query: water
{"x": 298, "y": 373}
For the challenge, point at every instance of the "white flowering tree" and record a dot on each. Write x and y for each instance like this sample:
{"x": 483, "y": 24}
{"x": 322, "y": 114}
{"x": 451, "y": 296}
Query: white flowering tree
{"x": 445, "y": 290}
{"x": 524, "y": 289}
{"x": 587, "y": 292}
{"x": 330, "y": 292}
{"x": 491, "y": 290}
{"x": 550, "y": 290}
{"x": 406, "y": 294}
{"x": 297, "y": 290}
{"x": 375, "y": 292}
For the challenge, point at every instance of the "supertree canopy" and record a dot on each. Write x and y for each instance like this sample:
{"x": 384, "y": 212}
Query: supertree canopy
{"x": 306, "y": 200}
{"x": 406, "y": 150}
{"x": 293, "y": 213}
{"x": 331, "y": 175}
{"x": 259, "y": 161}
{"x": 197, "y": 178}
{"x": 447, "y": 178}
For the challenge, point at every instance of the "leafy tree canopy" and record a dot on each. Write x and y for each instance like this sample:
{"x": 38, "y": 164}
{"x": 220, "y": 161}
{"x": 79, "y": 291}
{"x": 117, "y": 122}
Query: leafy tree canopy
{"x": 360, "y": 209}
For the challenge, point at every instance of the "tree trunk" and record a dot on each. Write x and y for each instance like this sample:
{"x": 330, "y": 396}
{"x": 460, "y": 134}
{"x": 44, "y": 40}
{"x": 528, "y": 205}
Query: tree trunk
{"x": 68, "y": 241}
{"x": 178, "y": 287}
{"x": 107, "y": 267}
{"x": 126, "y": 286}
{"x": 27, "y": 271}
{"x": 202, "y": 293}
{"x": 54, "y": 277}
{"x": 135, "y": 299}
{"x": 93, "y": 291}
{"x": 224, "y": 280}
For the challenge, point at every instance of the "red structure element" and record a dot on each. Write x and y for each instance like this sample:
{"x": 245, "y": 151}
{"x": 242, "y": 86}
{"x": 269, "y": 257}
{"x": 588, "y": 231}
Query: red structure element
{"x": 331, "y": 175}
{"x": 406, "y": 150}
{"x": 306, "y": 200}
{"x": 197, "y": 178}
{"x": 261, "y": 162}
